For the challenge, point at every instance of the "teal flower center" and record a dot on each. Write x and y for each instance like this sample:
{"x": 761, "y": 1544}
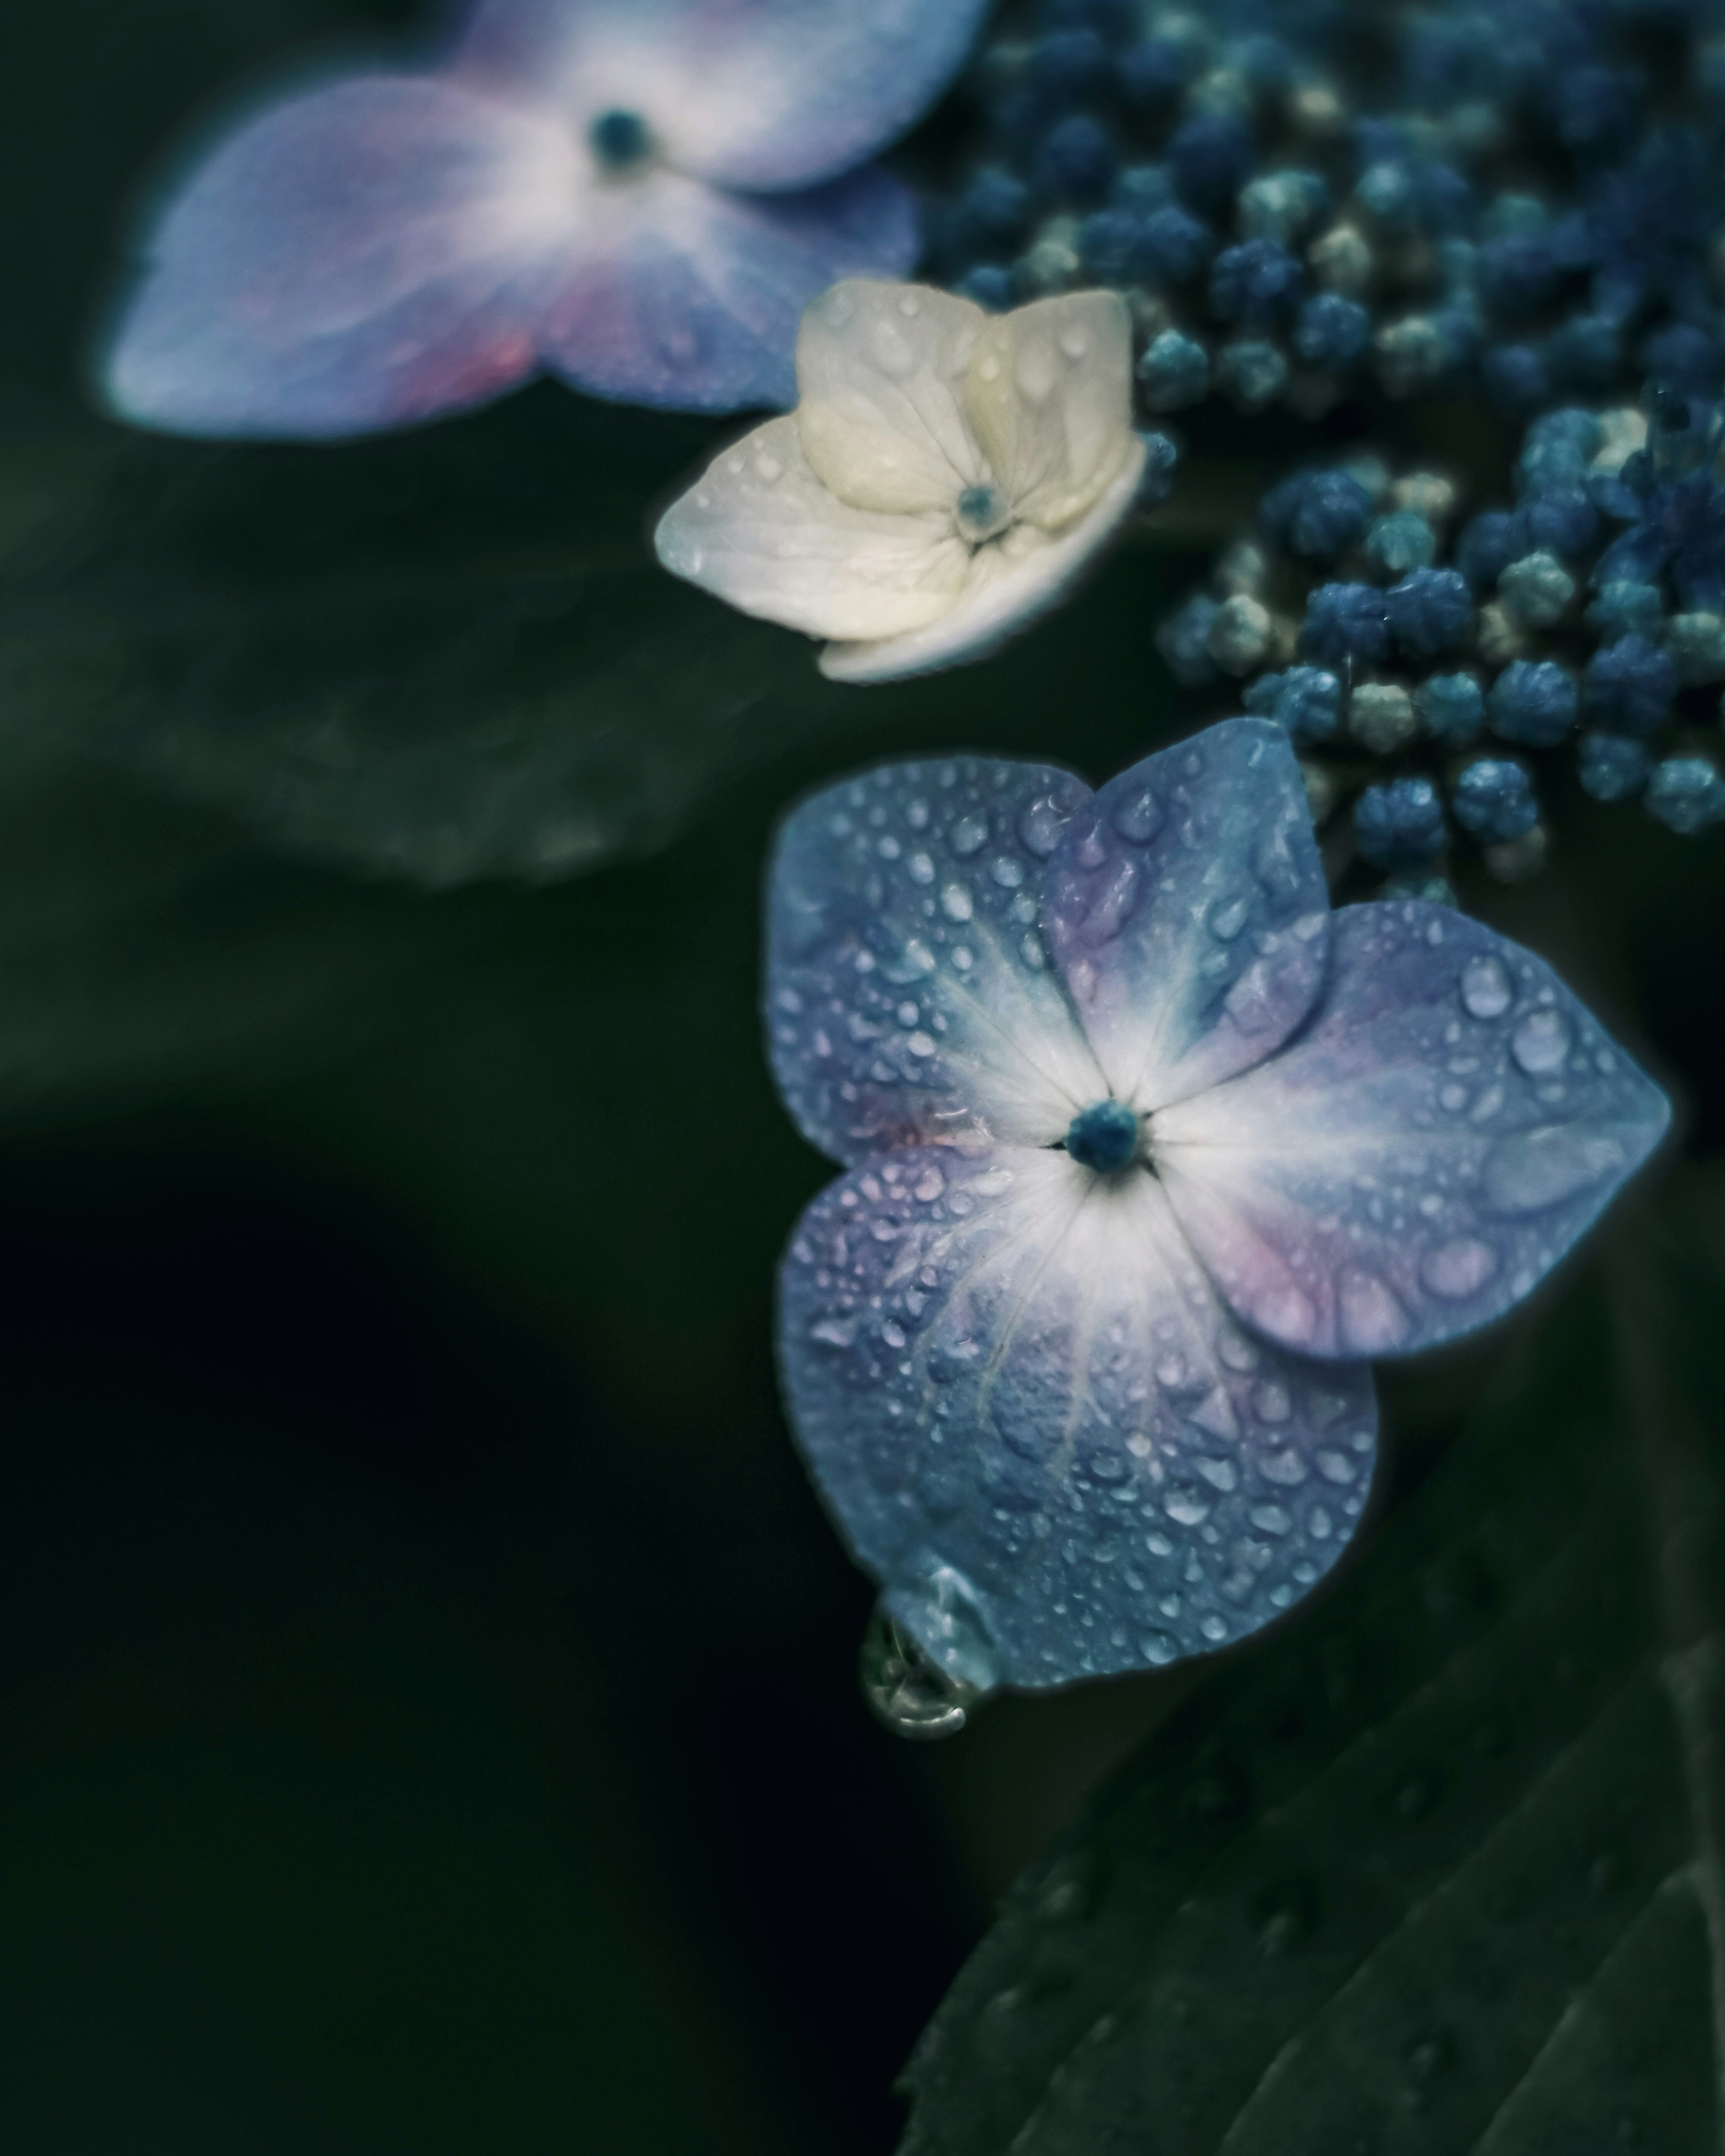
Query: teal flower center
{"x": 981, "y": 512}
{"x": 1104, "y": 1137}
{"x": 620, "y": 140}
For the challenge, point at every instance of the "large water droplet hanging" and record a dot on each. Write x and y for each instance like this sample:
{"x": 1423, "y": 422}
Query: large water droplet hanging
{"x": 904, "y": 1689}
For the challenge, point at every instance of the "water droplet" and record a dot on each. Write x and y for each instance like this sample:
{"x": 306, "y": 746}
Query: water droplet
{"x": 1228, "y": 917}
{"x": 1156, "y": 1648}
{"x": 1486, "y": 989}
{"x": 939, "y": 1609}
{"x": 1271, "y": 1403}
{"x": 1184, "y": 1506}
{"x": 769, "y": 467}
{"x": 968, "y": 834}
{"x": 1008, "y": 873}
{"x": 1139, "y": 817}
{"x": 1040, "y": 826}
{"x": 1220, "y": 1474}
{"x": 1369, "y": 1319}
{"x": 1035, "y": 372}
{"x": 1458, "y": 1269}
{"x": 890, "y": 349}
{"x": 955, "y": 902}
{"x": 904, "y": 1689}
{"x": 1541, "y": 1168}
{"x": 1541, "y": 1042}
{"x": 833, "y": 1332}
{"x": 1270, "y": 1519}
{"x": 1213, "y": 1627}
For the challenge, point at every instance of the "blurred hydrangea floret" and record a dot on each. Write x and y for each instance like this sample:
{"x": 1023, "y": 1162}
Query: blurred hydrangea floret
{"x": 638, "y": 199}
{"x": 1147, "y": 1154}
{"x": 944, "y": 477}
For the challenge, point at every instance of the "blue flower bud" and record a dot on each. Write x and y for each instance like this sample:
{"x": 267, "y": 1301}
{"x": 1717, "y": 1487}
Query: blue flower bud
{"x": 1494, "y": 800}
{"x": 1629, "y": 686}
{"x": 1401, "y": 541}
{"x": 1451, "y": 707}
{"x": 1344, "y": 622}
{"x": 1399, "y": 824}
{"x": 1429, "y": 612}
{"x": 1211, "y": 156}
{"x": 1317, "y": 514}
{"x": 988, "y": 286}
{"x": 1612, "y": 767}
{"x": 1175, "y": 371}
{"x": 1486, "y": 548}
{"x": 1560, "y": 519}
{"x": 1183, "y": 640}
{"x": 1686, "y": 794}
{"x": 1254, "y": 283}
{"x": 1532, "y": 700}
{"x": 1075, "y": 161}
{"x": 1174, "y": 246}
{"x": 1332, "y": 332}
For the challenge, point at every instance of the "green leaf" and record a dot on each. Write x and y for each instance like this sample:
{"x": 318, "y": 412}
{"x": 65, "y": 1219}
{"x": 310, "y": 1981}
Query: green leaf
{"x": 1437, "y": 1868}
{"x": 446, "y": 655}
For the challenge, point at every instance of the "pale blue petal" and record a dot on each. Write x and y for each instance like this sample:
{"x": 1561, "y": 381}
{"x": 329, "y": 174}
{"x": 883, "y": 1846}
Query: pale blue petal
{"x": 361, "y": 256}
{"x": 766, "y": 94}
{"x": 909, "y": 996}
{"x": 1189, "y": 913}
{"x": 1038, "y": 1425}
{"x": 1448, "y": 1125}
{"x": 689, "y": 299}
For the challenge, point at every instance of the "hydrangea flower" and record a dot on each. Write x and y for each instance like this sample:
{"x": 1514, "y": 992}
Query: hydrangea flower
{"x": 637, "y": 196}
{"x": 944, "y": 477}
{"x": 1147, "y": 1153}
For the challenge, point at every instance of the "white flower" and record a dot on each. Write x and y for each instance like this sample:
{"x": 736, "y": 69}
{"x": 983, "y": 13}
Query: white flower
{"x": 945, "y": 475}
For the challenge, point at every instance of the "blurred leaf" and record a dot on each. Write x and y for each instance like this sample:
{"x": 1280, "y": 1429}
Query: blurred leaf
{"x": 1435, "y": 1869}
{"x": 446, "y": 655}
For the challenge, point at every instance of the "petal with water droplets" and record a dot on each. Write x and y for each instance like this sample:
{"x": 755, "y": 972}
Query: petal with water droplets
{"x": 1049, "y": 395}
{"x": 760, "y": 531}
{"x": 908, "y": 994}
{"x": 766, "y": 94}
{"x": 1188, "y": 910}
{"x": 1443, "y": 1131}
{"x": 1028, "y": 1409}
{"x": 689, "y": 299}
{"x": 360, "y": 256}
{"x": 880, "y": 374}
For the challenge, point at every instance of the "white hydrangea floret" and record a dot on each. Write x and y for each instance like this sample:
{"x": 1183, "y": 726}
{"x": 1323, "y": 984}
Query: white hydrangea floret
{"x": 945, "y": 475}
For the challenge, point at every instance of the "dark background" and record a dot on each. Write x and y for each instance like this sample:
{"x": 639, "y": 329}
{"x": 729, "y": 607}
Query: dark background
{"x": 429, "y": 1710}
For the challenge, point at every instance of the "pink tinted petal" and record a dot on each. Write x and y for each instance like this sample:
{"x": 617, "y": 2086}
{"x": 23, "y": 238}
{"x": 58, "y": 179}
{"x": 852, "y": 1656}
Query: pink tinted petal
{"x": 1449, "y": 1124}
{"x": 908, "y": 993}
{"x": 1187, "y": 911}
{"x": 689, "y": 299}
{"x": 362, "y": 256}
{"x": 1038, "y": 1426}
{"x": 765, "y": 94}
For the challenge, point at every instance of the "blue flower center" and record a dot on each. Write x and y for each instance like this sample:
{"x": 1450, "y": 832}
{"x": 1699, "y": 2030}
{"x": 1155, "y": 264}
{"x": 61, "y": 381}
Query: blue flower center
{"x": 980, "y": 513}
{"x": 1104, "y": 1137}
{"x": 620, "y": 140}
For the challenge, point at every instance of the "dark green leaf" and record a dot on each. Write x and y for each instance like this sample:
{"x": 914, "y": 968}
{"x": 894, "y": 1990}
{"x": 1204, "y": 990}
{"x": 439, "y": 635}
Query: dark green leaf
{"x": 1434, "y": 1869}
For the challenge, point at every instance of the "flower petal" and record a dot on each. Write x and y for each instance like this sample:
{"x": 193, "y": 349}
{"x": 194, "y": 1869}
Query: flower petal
{"x": 908, "y": 996}
{"x": 880, "y": 373}
{"x": 1433, "y": 1144}
{"x": 1187, "y": 911}
{"x": 358, "y": 257}
{"x": 760, "y": 529}
{"x": 1010, "y": 585}
{"x": 1051, "y": 396}
{"x": 688, "y": 299}
{"x": 766, "y": 94}
{"x": 1038, "y": 1426}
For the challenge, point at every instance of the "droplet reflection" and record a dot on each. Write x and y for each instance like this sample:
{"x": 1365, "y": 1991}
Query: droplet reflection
{"x": 904, "y": 1690}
